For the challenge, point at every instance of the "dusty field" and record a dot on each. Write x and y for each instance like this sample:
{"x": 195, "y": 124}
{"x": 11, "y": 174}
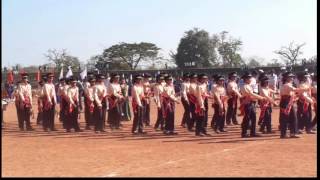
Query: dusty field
{"x": 119, "y": 153}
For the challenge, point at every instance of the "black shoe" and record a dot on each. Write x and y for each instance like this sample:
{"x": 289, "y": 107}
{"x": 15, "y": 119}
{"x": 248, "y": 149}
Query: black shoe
{"x": 198, "y": 134}
{"x": 30, "y": 129}
{"x": 216, "y": 131}
{"x": 103, "y": 131}
{"x": 235, "y": 123}
{"x": 206, "y": 134}
{"x": 68, "y": 130}
{"x": 45, "y": 130}
{"x": 270, "y": 132}
{"x": 78, "y": 130}
{"x": 300, "y": 132}
{"x": 88, "y": 128}
{"x": 54, "y": 129}
{"x": 190, "y": 130}
{"x": 222, "y": 130}
{"x": 294, "y": 136}
{"x": 244, "y": 136}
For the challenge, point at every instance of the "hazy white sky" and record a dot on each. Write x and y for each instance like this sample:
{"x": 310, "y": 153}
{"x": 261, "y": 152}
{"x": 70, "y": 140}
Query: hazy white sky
{"x": 86, "y": 27}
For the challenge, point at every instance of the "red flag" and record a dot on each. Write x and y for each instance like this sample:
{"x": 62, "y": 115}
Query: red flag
{"x": 10, "y": 76}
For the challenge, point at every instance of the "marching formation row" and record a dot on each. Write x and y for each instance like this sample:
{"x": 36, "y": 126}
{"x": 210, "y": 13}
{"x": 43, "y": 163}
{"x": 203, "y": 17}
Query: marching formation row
{"x": 295, "y": 103}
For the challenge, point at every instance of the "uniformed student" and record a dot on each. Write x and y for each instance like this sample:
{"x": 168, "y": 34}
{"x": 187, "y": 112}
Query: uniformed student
{"x": 115, "y": 99}
{"x": 184, "y": 99}
{"x": 147, "y": 96}
{"x": 39, "y": 96}
{"x": 89, "y": 103}
{"x": 100, "y": 96}
{"x": 288, "y": 105}
{"x": 49, "y": 102}
{"x": 137, "y": 106}
{"x": 158, "y": 90}
{"x": 62, "y": 93}
{"x": 304, "y": 113}
{"x": 169, "y": 100}
{"x": 25, "y": 102}
{"x": 220, "y": 98}
{"x": 125, "y": 106}
{"x": 233, "y": 94}
{"x": 248, "y": 102}
{"x": 266, "y": 106}
{"x": 315, "y": 97}
{"x": 73, "y": 106}
{"x": 201, "y": 110}
{"x": 192, "y": 98}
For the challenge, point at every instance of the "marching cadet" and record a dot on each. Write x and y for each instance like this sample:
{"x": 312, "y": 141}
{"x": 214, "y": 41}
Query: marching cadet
{"x": 266, "y": 105}
{"x": 89, "y": 102}
{"x": 62, "y": 93}
{"x": 146, "y": 100}
{"x": 49, "y": 102}
{"x": 16, "y": 101}
{"x": 234, "y": 94}
{"x": 304, "y": 113}
{"x": 219, "y": 96}
{"x": 288, "y": 105}
{"x": 201, "y": 109}
{"x": 184, "y": 99}
{"x": 314, "y": 96}
{"x": 158, "y": 90}
{"x": 169, "y": 100}
{"x": 115, "y": 99}
{"x": 137, "y": 106}
{"x": 39, "y": 96}
{"x": 25, "y": 103}
{"x": 125, "y": 106}
{"x": 73, "y": 106}
{"x": 192, "y": 98}
{"x": 248, "y": 102}
{"x": 100, "y": 105}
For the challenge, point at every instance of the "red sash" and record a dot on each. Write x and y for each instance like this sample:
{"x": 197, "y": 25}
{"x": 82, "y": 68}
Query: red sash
{"x": 287, "y": 110}
{"x": 263, "y": 106}
{"x": 46, "y": 104}
{"x": 192, "y": 98}
{"x": 26, "y": 102}
{"x": 72, "y": 108}
{"x": 167, "y": 106}
{"x": 244, "y": 100}
{"x": 305, "y": 104}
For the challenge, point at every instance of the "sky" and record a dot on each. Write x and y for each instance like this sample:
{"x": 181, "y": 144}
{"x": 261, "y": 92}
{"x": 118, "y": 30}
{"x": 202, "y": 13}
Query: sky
{"x": 86, "y": 27}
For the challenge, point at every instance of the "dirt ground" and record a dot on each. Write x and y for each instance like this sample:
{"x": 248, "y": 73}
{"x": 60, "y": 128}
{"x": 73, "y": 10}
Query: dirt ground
{"x": 118, "y": 153}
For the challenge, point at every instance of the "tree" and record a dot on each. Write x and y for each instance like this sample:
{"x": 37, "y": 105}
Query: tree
{"x": 129, "y": 55}
{"x": 274, "y": 63}
{"x": 291, "y": 53}
{"x": 253, "y": 63}
{"x": 195, "y": 49}
{"x": 228, "y": 49}
{"x": 60, "y": 58}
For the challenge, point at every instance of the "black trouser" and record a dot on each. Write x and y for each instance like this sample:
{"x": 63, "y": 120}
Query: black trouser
{"x": 98, "y": 115}
{"x": 40, "y": 117}
{"x": 287, "y": 120}
{"x": 186, "y": 114}
{"x": 193, "y": 115}
{"x": 138, "y": 120}
{"x": 86, "y": 113}
{"x": 146, "y": 113}
{"x": 249, "y": 118}
{"x": 169, "y": 120}
{"x": 48, "y": 118}
{"x": 200, "y": 123}
{"x": 63, "y": 111}
{"x": 232, "y": 110}
{"x": 217, "y": 118}
{"x": 24, "y": 117}
{"x": 18, "y": 114}
{"x": 206, "y": 108}
{"x": 114, "y": 117}
{"x": 314, "y": 121}
{"x": 104, "y": 113}
{"x": 304, "y": 118}
{"x": 160, "y": 120}
{"x": 72, "y": 119}
{"x": 266, "y": 121}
